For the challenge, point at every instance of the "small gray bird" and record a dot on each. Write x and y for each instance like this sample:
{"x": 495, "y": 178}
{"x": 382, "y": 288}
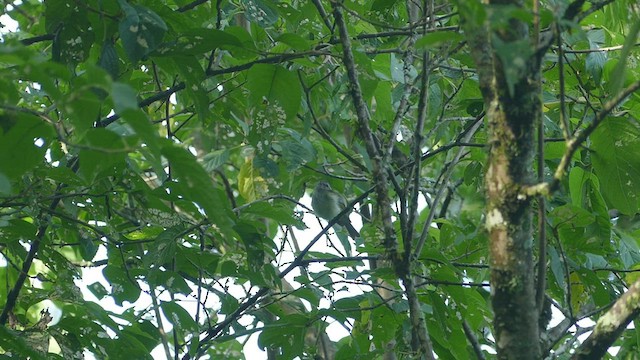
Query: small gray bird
{"x": 328, "y": 203}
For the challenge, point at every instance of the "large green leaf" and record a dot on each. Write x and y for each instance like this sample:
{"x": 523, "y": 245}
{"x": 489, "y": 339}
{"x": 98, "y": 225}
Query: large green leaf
{"x": 273, "y": 86}
{"x": 123, "y": 286}
{"x": 73, "y": 34}
{"x": 141, "y": 30}
{"x": 23, "y": 145}
{"x": 196, "y": 185}
{"x": 616, "y": 160}
{"x": 179, "y": 317}
{"x": 287, "y": 334}
{"x": 104, "y": 151}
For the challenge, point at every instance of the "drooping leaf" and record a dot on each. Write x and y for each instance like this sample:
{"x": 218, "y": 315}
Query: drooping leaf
{"x": 250, "y": 184}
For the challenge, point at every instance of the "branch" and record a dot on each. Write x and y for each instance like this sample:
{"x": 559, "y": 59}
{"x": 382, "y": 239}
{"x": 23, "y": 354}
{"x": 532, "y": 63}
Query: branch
{"x": 421, "y": 342}
{"x": 547, "y": 188}
{"x": 473, "y": 340}
{"x": 267, "y": 60}
{"x": 445, "y": 178}
{"x": 191, "y": 5}
{"x": 323, "y": 14}
{"x": 12, "y": 296}
{"x": 216, "y": 330}
{"x": 604, "y": 49}
{"x": 572, "y": 13}
{"x": 581, "y": 136}
{"x": 146, "y": 102}
{"x": 403, "y": 32}
{"x": 551, "y": 337}
{"x": 362, "y": 112}
{"x": 611, "y": 325}
{"x": 418, "y": 139}
{"x": 210, "y": 73}
{"x": 339, "y": 259}
{"x": 35, "y": 39}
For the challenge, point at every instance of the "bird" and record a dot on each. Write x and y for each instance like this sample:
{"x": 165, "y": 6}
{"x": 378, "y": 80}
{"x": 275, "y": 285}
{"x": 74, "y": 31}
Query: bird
{"x": 328, "y": 203}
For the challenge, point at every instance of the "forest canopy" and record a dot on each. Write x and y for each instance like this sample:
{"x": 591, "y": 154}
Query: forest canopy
{"x": 164, "y": 152}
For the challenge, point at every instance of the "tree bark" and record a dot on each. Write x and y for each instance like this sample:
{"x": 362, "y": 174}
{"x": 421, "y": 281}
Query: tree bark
{"x": 513, "y": 107}
{"x": 611, "y": 325}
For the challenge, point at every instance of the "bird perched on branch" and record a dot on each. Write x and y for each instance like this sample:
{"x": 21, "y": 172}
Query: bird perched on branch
{"x": 328, "y": 203}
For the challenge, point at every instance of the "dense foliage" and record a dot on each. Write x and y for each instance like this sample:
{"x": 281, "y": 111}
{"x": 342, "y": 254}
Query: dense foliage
{"x": 167, "y": 143}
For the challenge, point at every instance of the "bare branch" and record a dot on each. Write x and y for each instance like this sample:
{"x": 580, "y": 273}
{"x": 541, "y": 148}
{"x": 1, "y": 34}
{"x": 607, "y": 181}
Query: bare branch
{"x": 611, "y": 325}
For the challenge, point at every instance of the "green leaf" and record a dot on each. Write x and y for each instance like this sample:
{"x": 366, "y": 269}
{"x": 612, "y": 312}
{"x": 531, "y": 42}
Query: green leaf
{"x": 229, "y": 304}
{"x": 5, "y": 185}
{"x": 196, "y": 184}
{"x": 594, "y": 63}
{"x": 109, "y": 60}
{"x": 145, "y": 333}
{"x": 17, "y": 341}
{"x": 98, "y": 290}
{"x": 164, "y": 247}
{"x": 23, "y": 146}
{"x": 248, "y": 182}
{"x": 88, "y": 248}
{"x": 436, "y": 38}
{"x": 191, "y": 70}
{"x": 272, "y": 86}
{"x": 616, "y": 160}
{"x": 619, "y": 73}
{"x": 295, "y": 41}
{"x": 124, "y": 97}
{"x": 104, "y": 151}
{"x": 192, "y": 260}
{"x": 247, "y": 48}
{"x": 296, "y": 151}
{"x": 199, "y": 41}
{"x": 215, "y": 159}
{"x": 73, "y": 33}
{"x": 169, "y": 280}
{"x": 380, "y": 5}
{"x": 141, "y": 30}
{"x": 570, "y": 216}
{"x": 577, "y": 179}
{"x": 16, "y": 230}
{"x": 123, "y": 287}
{"x": 557, "y": 268}
{"x": 260, "y": 12}
{"x": 514, "y": 56}
{"x": 281, "y": 213}
{"x": 287, "y": 334}
{"x": 474, "y": 13}
{"x": 142, "y": 127}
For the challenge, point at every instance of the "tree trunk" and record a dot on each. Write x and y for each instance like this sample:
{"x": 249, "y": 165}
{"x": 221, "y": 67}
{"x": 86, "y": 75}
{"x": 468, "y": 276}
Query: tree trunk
{"x": 511, "y": 96}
